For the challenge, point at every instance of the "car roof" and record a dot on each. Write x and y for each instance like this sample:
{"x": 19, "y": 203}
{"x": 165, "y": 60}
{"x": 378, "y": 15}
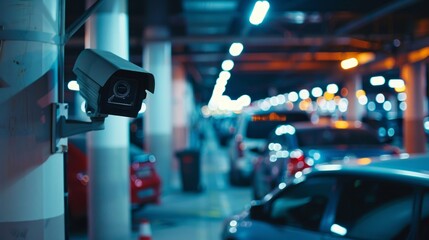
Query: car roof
{"x": 405, "y": 168}
{"x": 283, "y": 111}
{"x": 333, "y": 125}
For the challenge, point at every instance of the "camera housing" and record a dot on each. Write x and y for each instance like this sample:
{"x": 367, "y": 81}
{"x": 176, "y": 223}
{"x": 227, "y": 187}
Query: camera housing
{"x": 111, "y": 84}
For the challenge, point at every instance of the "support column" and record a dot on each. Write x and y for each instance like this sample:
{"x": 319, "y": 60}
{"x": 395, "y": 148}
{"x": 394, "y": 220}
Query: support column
{"x": 414, "y": 76}
{"x": 158, "y": 126}
{"x": 181, "y": 118}
{"x": 181, "y": 108}
{"x": 355, "y": 110}
{"x": 108, "y": 169}
{"x": 31, "y": 176}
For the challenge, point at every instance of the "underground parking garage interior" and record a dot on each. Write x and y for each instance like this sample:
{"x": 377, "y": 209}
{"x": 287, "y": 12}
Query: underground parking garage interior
{"x": 221, "y": 119}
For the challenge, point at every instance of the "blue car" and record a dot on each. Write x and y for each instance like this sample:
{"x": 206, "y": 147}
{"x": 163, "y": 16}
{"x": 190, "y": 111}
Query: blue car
{"x": 365, "y": 199}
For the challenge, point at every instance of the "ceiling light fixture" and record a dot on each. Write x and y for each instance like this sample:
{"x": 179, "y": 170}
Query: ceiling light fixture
{"x": 377, "y": 80}
{"x": 224, "y": 75}
{"x": 227, "y": 65}
{"x": 236, "y": 49}
{"x": 259, "y": 11}
{"x": 349, "y": 63}
{"x": 396, "y": 83}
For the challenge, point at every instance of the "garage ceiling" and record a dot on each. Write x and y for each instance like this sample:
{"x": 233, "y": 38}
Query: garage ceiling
{"x": 299, "y": 45}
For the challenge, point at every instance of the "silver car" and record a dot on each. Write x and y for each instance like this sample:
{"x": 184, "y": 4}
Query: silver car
{"x": 293, "y": 148}
{"x": 366, "y": 199}
{"x": 250, "y": 138}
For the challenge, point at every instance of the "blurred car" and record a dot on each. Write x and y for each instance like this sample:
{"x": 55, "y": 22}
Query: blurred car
{"x": 145, "y": 183}
{"x": 293, "y": 148}
{"x": 224, "y": 127}
{"x": 383, "y": 200}
{"x": 250, "y": 138}
{"x": 388, "y": 129}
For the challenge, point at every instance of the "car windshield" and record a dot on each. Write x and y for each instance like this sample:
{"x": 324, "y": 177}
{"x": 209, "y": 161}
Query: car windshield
{"x": 331, "y": 137}
{"x": 262, "y": 124}
{"x": 261, "y": 129}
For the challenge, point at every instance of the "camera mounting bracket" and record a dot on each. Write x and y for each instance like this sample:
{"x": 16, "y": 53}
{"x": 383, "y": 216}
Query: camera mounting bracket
{"x": 63, "y": 127}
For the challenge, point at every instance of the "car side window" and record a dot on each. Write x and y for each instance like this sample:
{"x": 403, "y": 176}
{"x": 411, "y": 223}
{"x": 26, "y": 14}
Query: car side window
{"x": 304, "y": 204}
{"x": 373, "y": 209}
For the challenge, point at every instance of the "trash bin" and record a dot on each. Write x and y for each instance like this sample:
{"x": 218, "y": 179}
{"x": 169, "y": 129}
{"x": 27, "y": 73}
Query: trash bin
{"x": 190, "y": 169}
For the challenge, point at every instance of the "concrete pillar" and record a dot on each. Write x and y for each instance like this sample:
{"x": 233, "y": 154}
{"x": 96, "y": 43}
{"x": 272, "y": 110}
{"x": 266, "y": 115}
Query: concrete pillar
{"x": 31, "y": 176}
{"x": 414, "y": 76}
{"x": 158, "y": 126}
{"x": 109, "y": 196}
{"x": 181, "y": 108}
{"x": 355, "y": 110}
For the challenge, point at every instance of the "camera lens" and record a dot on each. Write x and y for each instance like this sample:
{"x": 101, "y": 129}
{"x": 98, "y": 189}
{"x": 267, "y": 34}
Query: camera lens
{"x": 121, "y": 89}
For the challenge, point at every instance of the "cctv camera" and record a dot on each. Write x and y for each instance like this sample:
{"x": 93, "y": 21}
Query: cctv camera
{"x": 111, "y": 84}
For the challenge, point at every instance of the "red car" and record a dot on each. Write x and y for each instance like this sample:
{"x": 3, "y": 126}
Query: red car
{"x": 145, "y": 183}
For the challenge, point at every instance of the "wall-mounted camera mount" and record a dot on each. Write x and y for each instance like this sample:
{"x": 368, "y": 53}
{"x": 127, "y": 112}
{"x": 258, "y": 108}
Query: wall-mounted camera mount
{"x": 63, "y": 127}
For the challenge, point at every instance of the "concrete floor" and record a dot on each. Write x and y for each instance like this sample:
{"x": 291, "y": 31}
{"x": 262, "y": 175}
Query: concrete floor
{"x": 188, "y": 215}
